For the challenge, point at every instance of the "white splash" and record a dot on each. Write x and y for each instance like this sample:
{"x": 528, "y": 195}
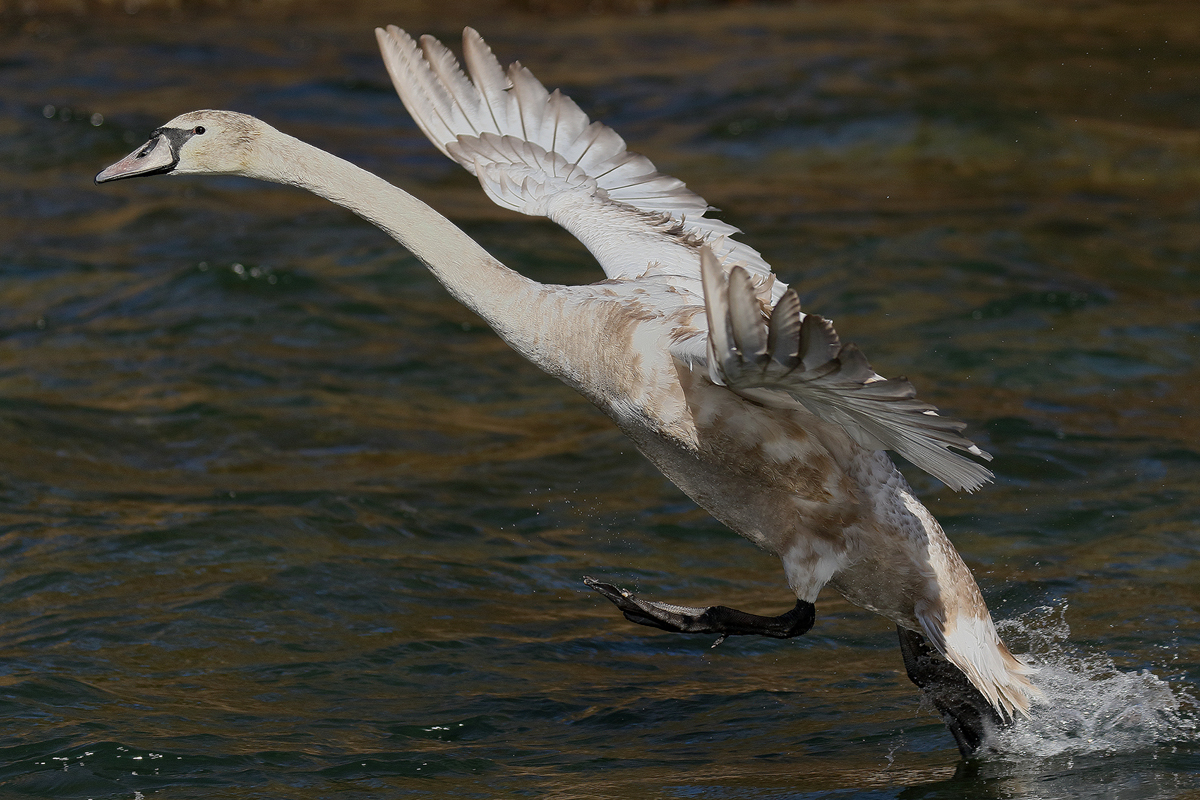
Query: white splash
{"x": 1090, "y": 705}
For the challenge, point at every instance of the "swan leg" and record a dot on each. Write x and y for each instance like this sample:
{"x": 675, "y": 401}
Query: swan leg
{"x": 967, "y": 713}
{"x": 721, "y": 620}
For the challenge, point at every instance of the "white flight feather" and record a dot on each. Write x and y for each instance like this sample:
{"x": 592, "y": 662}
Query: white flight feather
{"x": 547, "y": 134}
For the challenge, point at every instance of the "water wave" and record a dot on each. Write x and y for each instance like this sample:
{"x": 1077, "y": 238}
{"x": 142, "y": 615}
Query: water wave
{"x": 1090, "y": 705}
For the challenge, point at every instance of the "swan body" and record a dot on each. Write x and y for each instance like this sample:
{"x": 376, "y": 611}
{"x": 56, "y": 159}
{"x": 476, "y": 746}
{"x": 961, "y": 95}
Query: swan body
{"x": 697, "y": 352}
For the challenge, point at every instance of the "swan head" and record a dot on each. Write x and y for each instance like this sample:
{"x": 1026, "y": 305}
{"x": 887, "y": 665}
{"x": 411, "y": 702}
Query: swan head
{"x": 199, "y": 142}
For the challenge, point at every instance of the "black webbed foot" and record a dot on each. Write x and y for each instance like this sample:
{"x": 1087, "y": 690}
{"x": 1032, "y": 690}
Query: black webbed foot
{"x": 721, "y": 620}
{"x": 967, "y": 713}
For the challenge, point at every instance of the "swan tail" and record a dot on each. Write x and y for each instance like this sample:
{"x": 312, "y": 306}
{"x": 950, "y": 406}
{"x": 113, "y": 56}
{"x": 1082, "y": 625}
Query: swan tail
{"x": 971, "y": 643}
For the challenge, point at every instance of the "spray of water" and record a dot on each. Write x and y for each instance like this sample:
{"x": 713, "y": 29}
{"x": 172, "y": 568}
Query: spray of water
{"x": 1089, "y": 704}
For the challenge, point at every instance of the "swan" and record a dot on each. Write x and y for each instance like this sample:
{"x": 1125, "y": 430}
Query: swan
{"x": 693, "y": 347}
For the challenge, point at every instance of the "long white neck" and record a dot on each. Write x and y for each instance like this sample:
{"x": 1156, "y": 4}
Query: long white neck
{"x": 518, "y": 309}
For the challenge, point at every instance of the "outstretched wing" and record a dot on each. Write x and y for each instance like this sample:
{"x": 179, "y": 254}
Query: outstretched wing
{"x": 536, "y": 152}
{"x": 792, "y": 360}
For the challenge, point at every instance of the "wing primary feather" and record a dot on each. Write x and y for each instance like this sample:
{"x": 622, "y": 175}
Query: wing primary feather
{"x": 793, "y": 360}
{"x": 783, "y": 331}
{"x": 855, "y": 368}
{"x": 441, "y": 102}
{"x": 520, "y": 97}
{"x": 745, "y": 317}
{"x": 451, "y": 76}
{"x": 592, "y": 132}
{"x": 554, "y": 107}
{"x": 717, "y": 311}
{"x": 818, "y": 341}
{"x": 488, "y": 77}
{"x": 410, "y": 78}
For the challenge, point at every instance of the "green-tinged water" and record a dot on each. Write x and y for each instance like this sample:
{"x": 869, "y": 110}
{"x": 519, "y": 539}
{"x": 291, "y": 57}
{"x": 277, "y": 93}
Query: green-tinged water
{"x": 278, "y": 518}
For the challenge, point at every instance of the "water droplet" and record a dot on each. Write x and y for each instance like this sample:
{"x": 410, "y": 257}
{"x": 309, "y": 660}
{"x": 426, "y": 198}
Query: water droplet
{"x": 49, "y": 111}
{"x": 97, "y": 120}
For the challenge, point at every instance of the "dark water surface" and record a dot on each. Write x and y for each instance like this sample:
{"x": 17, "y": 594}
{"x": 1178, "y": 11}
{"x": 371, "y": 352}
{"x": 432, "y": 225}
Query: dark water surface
{"x": 278, "y": 518}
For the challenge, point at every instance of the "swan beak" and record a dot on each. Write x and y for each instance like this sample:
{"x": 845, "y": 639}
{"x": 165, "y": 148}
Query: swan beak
{"x": 155, "y": 157}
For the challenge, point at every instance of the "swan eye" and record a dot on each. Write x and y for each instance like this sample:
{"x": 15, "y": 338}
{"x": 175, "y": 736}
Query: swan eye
{"x": 199, "y": 130}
